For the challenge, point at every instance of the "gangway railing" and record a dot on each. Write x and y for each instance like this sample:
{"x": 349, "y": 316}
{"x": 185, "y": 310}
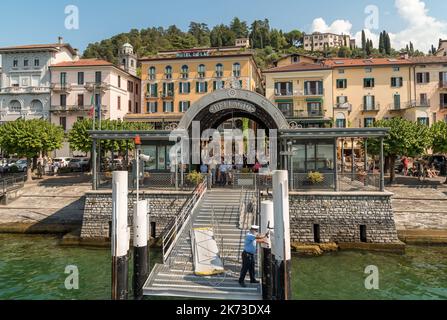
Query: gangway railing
{"x": 179, "y": 222}
{"x": 11, "y": 183}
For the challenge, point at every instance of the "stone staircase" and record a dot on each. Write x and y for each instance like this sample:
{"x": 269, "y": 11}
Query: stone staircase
{"x": 220, "y": 209}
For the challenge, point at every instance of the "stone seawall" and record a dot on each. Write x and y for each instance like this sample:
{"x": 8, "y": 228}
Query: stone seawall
{"x": 339, "y": 217}
{"x": 98, "y": 212}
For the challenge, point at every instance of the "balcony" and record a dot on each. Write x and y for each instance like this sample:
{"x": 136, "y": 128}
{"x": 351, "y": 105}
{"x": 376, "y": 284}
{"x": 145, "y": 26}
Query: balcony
{"x": 443, "y": 106}
{"x": 300, "y": 114}
{"x": 61, "y": 87}
{"x": 168, "y": 95}
{"x": 151, "y": 96}
{"x": 94, "y": 86}
{"x": 443, "y": 85}
{"x": 409, "y": 105}
{"x": 72, "y": 108}
{"x": 22, "y": 90}
{"x": 343, "y": 106}
{"x": 299, "y": 93}
{"x": 374, "y": 108}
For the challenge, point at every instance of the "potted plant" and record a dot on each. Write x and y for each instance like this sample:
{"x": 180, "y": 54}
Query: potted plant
{"x": 195, "y": 178}
{"x": 315, "y": 177}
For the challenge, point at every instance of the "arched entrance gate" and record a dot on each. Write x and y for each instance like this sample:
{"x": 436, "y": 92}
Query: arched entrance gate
{"x": 214, "y": 109}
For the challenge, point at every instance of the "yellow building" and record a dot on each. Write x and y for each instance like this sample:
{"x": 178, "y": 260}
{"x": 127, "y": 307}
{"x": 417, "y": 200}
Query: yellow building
{"x": 301, "y": 90}
{"x": 430, "y": 87}
{"x": 357, "y": 92}
{"x": 174, "y": 80}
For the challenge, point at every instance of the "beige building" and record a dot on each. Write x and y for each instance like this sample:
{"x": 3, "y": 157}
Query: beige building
{"x": 321, "y": 41}
{"x": 430, "y": 86}
{"x": 442, "y": 48}
{"x": 358, "y": 92}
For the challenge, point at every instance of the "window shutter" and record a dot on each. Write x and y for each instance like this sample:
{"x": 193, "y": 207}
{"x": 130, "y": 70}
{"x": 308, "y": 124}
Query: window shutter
{"x": 206, "y": 86}
{"x": 338, "y": 100}
{"x": 364, "y": 102}
{"x": 180, "y": 106}
{"x": 180, "y": 87}
{"x": 197, "y": 86}
{"x": 373, "y": 99}
{"x": 393, "y": 82}
{"x": 214, "y": 85}
{"x": 428, "y": 76}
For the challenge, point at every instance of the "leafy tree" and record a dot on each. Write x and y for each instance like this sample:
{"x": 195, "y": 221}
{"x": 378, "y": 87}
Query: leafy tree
{"x": 406, "y": 138}
{"x": 439, "y": 138}
{"x": 239, "y": 28}
{"x": 29, "y": 138}
{"x": 80, "y": 140}
{"x": 294, "y": 38}
{"x": 221, "y": 36}
{"x": 201, "y": 33}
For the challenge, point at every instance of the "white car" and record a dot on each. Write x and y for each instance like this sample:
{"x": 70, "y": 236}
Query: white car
{"x": 63, "y": 161}
{"x": 79, "y": 164}
{"x": 21, "y": 164}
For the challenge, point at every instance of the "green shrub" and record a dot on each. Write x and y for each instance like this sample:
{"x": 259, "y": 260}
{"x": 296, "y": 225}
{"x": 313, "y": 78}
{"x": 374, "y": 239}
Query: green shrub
{"x": 315, "y": 177}
{"x": 195, "y": 177}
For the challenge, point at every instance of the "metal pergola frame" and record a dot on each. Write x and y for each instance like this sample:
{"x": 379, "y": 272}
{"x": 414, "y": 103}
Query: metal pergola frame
{"x": 285, "y": 136}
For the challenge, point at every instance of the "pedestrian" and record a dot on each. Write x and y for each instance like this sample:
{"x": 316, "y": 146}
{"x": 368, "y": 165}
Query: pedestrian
{"x": 405, "y": 163}
{"x": 248, "y": 256}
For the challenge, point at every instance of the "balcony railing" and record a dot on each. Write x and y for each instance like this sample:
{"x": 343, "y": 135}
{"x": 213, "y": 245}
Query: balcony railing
{"x": 409, "y": 105}
{"x": 443, "y": 84}
{"x": 343, "y": 106}
{"x": 443, "y": 106}
{"x": 151, "y": 96}
{"x": 73, "y": 108}
{"x": 90, "y": 86}
{"x": 20, "y": 90}
{"x": 61, "y": 87}
{"x": 374, "y": 108}
{"x": 298, "y": 93}
{"x": 169, "y": 94}
{"x": 296, "y": 114}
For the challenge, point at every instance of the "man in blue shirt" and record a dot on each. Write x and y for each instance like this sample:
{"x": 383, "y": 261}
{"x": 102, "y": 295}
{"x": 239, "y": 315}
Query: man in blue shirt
{"x": 248, "y": 256}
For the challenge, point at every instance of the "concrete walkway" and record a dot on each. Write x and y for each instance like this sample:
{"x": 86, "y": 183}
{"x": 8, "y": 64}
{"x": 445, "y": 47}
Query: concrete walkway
{"x": 420, "y": 209}
{"x": 53, "y": 204}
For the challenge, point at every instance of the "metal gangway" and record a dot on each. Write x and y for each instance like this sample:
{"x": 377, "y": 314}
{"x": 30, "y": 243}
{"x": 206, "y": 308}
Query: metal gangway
{"x": 224, "y": 212}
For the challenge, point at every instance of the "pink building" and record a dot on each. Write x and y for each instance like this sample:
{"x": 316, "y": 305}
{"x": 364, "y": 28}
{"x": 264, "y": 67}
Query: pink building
{"x": 79, "y": 85}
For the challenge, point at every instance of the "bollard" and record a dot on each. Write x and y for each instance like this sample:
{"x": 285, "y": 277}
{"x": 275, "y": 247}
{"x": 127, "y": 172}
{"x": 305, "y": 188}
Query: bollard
{"x": 281, "y": 248}
{"x": 120, "y": 236}
{"x": 140, "y": 244}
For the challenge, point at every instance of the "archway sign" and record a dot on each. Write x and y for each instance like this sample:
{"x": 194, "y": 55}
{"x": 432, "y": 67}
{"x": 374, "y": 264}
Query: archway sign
{"x": 221, "y": 105}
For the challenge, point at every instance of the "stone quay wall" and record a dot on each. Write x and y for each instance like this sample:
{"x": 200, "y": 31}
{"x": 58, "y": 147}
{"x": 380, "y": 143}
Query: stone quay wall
{"x": 339, "y": 217}
{"x": 98, "y": 212}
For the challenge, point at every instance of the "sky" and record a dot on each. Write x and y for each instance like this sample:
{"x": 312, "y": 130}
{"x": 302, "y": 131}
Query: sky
{"x": 421, "y": 21}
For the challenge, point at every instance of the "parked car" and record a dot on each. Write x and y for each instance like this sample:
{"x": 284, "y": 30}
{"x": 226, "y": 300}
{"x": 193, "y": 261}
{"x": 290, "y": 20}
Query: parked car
{"x": 79, "y": 164}
{"x": 63, "y": 161}
{"x": 22, "y": 165}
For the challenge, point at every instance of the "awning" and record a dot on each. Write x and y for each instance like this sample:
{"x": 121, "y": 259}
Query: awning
{"x": 314, "y": 100}
{"x": 284, "y": 100}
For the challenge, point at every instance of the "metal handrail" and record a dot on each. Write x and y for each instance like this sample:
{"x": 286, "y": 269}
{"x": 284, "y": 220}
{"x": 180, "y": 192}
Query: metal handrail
{"x": 8, "y": 184}
{"x": 177, "y": 224}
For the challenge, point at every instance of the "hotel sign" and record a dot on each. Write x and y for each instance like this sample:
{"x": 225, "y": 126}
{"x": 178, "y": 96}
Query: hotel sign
{"x": 232, "y": 104}
{"x": 192, "y": 54}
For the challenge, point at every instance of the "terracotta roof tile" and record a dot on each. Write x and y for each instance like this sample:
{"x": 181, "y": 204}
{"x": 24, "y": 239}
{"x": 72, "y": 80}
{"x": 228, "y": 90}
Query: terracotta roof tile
{"x": 53, "y": 46}
{"x": 83, "y": 63}
{"x": 341, "y": 62}
{"x": 302, "y": 66}
{"x": 429, "y": 59}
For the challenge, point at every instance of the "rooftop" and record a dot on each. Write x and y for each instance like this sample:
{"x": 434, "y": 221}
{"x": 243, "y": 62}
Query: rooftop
{"x": 301, "y": 66}
{"x": 84, "y": 63}
{"x": 341, "y": 62}
{"x": 429, "y": 59}
{"x": 39, "y": 47}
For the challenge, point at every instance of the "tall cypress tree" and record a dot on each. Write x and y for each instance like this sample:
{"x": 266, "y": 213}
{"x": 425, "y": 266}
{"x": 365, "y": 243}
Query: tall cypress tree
{"x": 382, "y": 42}
{"x": 363, "y": 40}
{"x": 387, "y": 43}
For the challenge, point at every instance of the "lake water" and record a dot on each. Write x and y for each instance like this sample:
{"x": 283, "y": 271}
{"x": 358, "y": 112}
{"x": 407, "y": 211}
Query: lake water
{"x": 32, "y": 267}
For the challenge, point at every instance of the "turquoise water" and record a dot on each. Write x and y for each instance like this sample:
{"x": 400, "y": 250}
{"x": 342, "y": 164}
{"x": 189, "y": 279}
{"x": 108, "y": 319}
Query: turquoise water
{"x": 32, "y": 267}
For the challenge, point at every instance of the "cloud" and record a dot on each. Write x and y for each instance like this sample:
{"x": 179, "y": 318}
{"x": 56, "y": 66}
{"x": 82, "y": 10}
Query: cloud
{"x": 338, "y": 26}
{"x": 420, "y": 28}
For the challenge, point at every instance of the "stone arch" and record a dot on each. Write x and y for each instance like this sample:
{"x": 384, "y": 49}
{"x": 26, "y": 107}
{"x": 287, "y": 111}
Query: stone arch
{"x": 223, "y": 104}
{"x": 15, "y": 106}
{"x": 36, "y": 106}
